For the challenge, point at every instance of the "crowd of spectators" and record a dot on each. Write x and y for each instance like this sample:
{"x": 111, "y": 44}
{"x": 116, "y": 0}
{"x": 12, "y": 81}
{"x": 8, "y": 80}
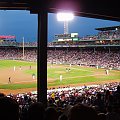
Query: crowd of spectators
{"x": 85, "y": 43}
{"x": 110, "y": 34}
{"x": 104, "y": 35}
{"x": 95, "y": 102}
{"x": 7, "y": 43}
{"x": 103, "y": 58}
{"x": 27, "y": 44}
{"x": 17, "y": 54}
{"x": 106, "y": 59}
{"x": 17, "y": 44}
{"x": 109, "y": 37}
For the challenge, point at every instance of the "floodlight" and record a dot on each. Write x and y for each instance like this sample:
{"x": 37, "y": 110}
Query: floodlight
{"x": 65, "y": 16}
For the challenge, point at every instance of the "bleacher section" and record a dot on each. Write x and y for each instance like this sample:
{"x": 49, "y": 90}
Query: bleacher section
{"x": 108, "y": 36}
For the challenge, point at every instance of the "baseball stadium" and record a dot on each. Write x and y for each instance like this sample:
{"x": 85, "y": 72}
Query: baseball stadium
{"x": 70, "y": 75}
{"x": 72, "y": 61}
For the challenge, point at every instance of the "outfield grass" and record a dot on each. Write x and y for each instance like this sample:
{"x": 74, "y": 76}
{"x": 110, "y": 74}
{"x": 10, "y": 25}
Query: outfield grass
{"x": 11, "y": 63}
{"x": 76, "y": 74}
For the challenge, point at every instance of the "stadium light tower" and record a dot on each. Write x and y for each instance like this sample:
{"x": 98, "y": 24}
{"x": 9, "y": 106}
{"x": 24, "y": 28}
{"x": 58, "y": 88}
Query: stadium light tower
{"x": 65, "y": 17}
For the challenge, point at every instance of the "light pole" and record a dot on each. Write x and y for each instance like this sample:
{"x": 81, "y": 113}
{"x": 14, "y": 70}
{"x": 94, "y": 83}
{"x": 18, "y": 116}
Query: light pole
{"x": 65, "y": 17}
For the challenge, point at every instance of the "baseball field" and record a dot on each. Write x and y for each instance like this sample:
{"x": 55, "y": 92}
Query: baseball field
{"x": 17, "y": 76}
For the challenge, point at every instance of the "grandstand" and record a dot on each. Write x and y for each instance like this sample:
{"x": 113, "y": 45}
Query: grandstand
{"x": 7, "y": 40}
{"x": 106, "y": 37}
{"x": 86, "y": 50}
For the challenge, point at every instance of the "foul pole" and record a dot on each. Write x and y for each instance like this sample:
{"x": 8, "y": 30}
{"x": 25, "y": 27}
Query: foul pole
{"x": 23, "y": 49}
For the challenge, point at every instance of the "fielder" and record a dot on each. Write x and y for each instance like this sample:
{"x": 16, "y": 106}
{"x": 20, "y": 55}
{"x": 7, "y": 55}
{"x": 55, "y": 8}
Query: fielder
{"x": 60, "y": 78}
{"x": 97, "y": 66}
{"x": 14, "y": 68}
{"x": 33, "y": 76}
{"x": 9, "y": 80}
{"x": 20, "y": 68}
{"x": 107, "y": 72}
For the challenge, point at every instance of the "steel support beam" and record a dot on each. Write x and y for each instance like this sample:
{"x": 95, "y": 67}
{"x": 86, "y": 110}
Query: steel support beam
{"x": 42, "y": 57}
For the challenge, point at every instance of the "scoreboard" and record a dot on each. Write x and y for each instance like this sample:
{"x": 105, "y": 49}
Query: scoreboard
{"x": 67, "y": 37}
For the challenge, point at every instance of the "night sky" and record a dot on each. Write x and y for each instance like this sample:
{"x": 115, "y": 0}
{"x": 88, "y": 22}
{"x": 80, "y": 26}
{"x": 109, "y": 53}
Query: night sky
{"x": 23, "y": 24}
